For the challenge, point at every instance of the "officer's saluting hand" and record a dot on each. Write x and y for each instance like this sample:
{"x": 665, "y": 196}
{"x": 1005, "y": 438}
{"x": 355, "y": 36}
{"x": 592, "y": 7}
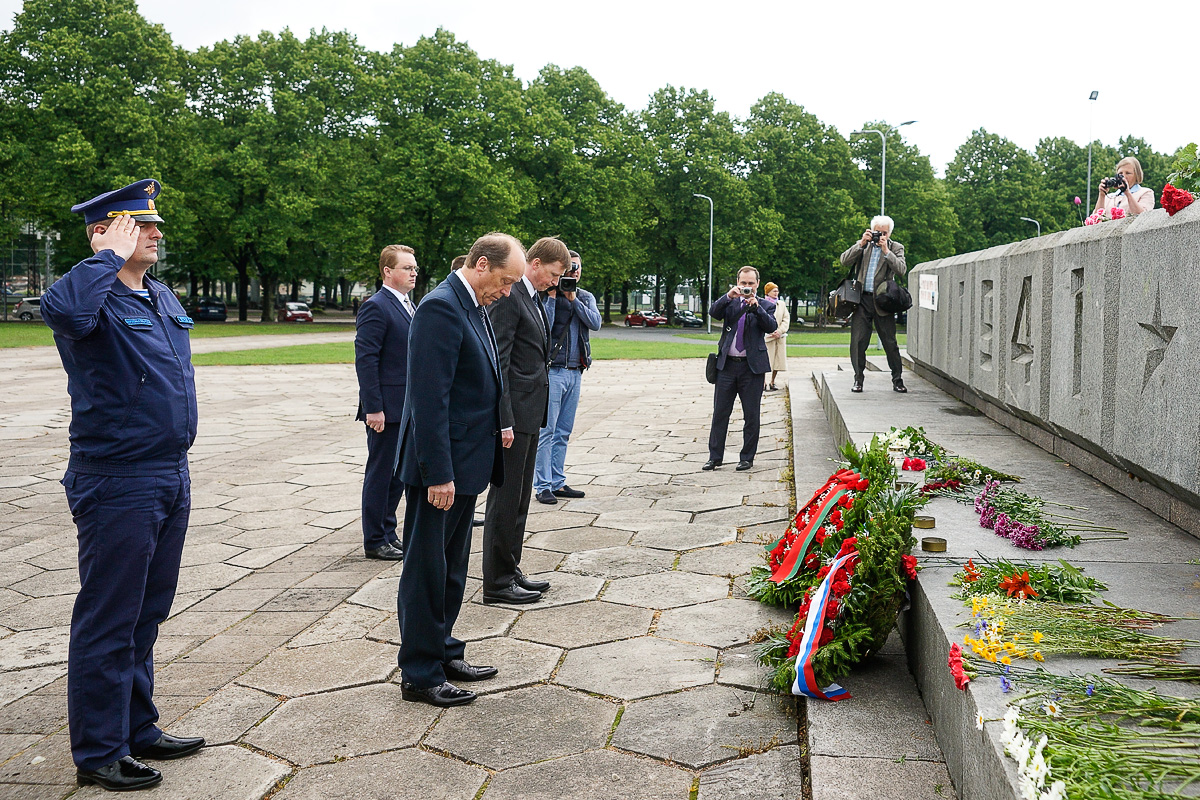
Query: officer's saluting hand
{"x": 124, "y": 342}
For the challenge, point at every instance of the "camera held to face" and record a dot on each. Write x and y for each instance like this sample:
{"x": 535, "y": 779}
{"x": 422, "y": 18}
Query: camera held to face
{"x": 875, "y": 236}
{"x": 746, "y": 290}
{"x": 566, "y": 284}
{"x": 1115, "y": 182}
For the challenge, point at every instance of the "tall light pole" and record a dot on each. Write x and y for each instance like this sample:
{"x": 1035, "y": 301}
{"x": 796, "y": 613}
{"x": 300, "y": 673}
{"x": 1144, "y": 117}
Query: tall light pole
{"x": 1091, "y": 116}
{"x": 710, "y": 251}
{"x": 883, "y": 159}
{"x": 1035, "y": 222}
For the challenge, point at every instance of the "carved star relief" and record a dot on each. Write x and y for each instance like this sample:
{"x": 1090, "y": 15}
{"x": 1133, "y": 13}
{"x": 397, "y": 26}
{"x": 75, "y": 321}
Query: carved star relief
{"x": 1162, "y": 333}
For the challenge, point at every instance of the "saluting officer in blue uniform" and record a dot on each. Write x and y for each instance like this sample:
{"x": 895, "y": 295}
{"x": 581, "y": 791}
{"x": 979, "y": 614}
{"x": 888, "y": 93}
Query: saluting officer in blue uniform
{"x": 123, "y": 339}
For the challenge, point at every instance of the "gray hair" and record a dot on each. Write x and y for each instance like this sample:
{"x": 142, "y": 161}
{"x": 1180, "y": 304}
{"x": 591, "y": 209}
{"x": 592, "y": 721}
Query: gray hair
{"x": 883, "y": 220}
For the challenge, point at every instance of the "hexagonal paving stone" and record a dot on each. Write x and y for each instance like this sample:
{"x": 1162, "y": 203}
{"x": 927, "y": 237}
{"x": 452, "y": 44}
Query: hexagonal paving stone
{"x": 343, "y": 623}
{"x": 777, "y": 774}
{"x": 209, "y": 576}
{"x": 322, "y": 667}
{"x": 342, "y": 724}
{"x": 582, "y": 624}
{"x": 727, "y": 559}
{"x": 225, "y": 716}
{"x": 701, "y": 727}
{"x": 618, "y": 562}
{"x": 551, "y": 722}
{"x": 557, "y": 520}
{"x": 637, "y": 667}
{"x": 667, "y": 589}
{"x": 600, "y": 773}
{"x": 600, "y": 505}
{"x": 745, "y": 516}
{"x": 642, "y": 520}
{"x": 698, "y": 502}
{"x": 520, "y": 663}
{"x": 565, "y": 587}
{"x": 678, "y": 536}
{"x": 215, "y": 773}
{"x": 573, "y": 539}
{"x": 740, "y": 668}
{"x": 36, "y": 648}
{"x": 380, "y": 593}
{"x": 400, "y": 775}
{"x": 723, "y": 623}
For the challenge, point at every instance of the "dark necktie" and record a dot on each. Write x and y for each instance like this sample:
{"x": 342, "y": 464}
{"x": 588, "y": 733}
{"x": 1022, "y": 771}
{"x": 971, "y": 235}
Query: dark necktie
{"x": 537, "y": 301}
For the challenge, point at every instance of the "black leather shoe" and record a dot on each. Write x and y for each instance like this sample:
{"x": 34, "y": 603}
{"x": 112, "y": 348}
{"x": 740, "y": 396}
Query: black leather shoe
{"x": 569, "y": 493}
{"x": 126, "y": 774}
{"x": 459, "y": 670}
{"x": 512, "y": 594}
{"x": 546, "y": 496}
{"x": 386, "y": 552}
{"x": 712, "y": 464}
{"x": 168, "y": 747}
{"x": 898, "y": 386}
{"x": 744, "y": 465}
{"x": 447, "y": 694}
{"x": 857, "y": 387}
{"x": 532, "y": 584}
{"x": 476, "y": 523}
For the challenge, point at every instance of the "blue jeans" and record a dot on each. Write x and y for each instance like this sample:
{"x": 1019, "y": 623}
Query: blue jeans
{"x": 560, "y": 420}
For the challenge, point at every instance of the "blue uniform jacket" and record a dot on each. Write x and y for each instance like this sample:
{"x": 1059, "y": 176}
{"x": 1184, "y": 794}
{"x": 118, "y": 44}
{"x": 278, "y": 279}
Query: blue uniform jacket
{"x": 381, "y": 356}
{"x": 451, "y": 423}
{"x": 129, "y": 370}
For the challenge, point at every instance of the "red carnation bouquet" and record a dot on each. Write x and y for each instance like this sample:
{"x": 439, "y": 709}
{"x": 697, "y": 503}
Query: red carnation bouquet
{"x": 1175, "y": 200}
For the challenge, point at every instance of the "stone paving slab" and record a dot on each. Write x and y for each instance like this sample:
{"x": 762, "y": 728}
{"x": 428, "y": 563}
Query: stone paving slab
{"x": 584, "y": 776}
{"x": 322, "y": 667}
{"x": 774, "y": 775}
{"x": 582, "y": 624}
{"x": 636, "y": 668}
{"x": 879, "y": 778}
{"x": 401, "y": 775}
{"x": 215, "y": 773}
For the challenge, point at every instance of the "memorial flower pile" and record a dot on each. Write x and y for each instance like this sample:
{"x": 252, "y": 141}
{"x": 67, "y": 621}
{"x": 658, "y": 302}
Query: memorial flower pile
{"x": 1087, "y": 737}
{"x": 1104, "y": 215}
{"x": 1175, "y": 200}
{"x": 1061, "y": 582}
{"x": 845, "y": 562}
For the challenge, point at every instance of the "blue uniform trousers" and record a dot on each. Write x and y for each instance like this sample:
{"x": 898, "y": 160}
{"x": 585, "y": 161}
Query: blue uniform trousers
{"x": 131, "y": 532}
{"x": 382, "y": 487}
{"x": 437, "y": 545}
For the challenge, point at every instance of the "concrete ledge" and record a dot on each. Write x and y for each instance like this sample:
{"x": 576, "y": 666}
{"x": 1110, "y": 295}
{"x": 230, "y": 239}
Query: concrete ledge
{"x": 1150, "y": 571}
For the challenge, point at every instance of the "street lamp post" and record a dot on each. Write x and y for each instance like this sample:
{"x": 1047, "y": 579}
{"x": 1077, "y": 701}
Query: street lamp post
{"x": 707, "y": 316}
{"x": 1091, "y": 117}
{"x": 883, "y": 158}
{"x": 1035, "y": 222}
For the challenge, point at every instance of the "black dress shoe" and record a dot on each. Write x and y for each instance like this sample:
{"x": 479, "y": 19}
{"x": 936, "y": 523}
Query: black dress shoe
{"x": 857, "y": 387}
{"x": 532, "y": 584}
{"x": 569, "y": 493}
{"x": 386, "y": 552}
{"x": 126, "y": 774}
{"x": 459, "y": 670}
{"x": 712, "y": 464}
{"x": 168, "y": 747}
{"x": 744, "y": 465}
{"x": 898, "y": 386}
{"x": 447, "y": 694}
{"x": 512, "y": 593}
{"x": 546, "y": 496}
{"x": 476, "y": 523}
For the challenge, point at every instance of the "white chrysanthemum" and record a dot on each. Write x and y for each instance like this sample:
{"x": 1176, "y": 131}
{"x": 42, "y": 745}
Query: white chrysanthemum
{"x": 1057, "y": 791}
{"x": 1026, "y": 787}
{"x": 1037, "y": 770}
{"x": 979, "y": 722}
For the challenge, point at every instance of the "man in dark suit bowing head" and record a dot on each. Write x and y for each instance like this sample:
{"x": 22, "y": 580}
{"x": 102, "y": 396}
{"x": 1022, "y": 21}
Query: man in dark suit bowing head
{"x": 523, "y": 342}
{"x": 381, "y": 361}
{"x": 450, "y": 448}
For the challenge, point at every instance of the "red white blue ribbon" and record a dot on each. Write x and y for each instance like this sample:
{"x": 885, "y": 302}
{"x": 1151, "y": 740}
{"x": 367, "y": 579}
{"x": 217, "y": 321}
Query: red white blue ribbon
{"x": 806, "y": 681}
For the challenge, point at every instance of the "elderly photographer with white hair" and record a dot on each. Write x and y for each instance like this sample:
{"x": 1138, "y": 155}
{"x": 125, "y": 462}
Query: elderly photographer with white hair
{"x": 878, "y": 257}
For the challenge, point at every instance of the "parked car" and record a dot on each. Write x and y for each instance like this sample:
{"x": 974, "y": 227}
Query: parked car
{"x": 211, "y": 309}
{"x": 688, "y": 319}
{"x": 647, "y": 319}
{"x": 28, "y": 309}
{"x": 294, "y": 312}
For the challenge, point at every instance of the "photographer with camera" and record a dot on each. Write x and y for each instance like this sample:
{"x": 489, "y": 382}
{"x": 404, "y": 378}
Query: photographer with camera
{"x": 573, "y": 313}
{"x": 1124, "y": 190}
{"x": 877, "y": 258}
{"x": 742, "y": 361}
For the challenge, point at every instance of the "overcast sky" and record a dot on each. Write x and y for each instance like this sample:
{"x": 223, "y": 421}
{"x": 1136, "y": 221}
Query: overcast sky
{"x": 1020, "y": 69}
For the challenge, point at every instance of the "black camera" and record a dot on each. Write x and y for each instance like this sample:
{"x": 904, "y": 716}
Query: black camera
{"x": 568, "y": 284}
{"x": 875, "y": 236}
{"x": 1115, "y": 182}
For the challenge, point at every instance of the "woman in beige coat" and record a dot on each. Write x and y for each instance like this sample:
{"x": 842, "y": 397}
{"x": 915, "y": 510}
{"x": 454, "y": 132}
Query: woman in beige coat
{"x": 777, "y": 340}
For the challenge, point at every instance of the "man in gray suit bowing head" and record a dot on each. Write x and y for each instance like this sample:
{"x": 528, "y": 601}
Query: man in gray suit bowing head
{"x": 523, "y": 344}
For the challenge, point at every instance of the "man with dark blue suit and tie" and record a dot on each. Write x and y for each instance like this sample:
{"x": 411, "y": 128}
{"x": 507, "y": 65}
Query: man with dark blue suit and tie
{"x": 450, "y": 449}
{"x": 381, "y": 361}
{"x": 742, "y": 361}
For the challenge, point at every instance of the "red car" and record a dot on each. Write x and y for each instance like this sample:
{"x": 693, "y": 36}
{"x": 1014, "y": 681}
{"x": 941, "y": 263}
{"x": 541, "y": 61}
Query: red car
{"x": 647, "y": 319}
{"x": 294, "y": 312}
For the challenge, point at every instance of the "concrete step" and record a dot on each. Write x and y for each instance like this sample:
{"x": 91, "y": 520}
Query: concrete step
{"x": 1150, "y": 571}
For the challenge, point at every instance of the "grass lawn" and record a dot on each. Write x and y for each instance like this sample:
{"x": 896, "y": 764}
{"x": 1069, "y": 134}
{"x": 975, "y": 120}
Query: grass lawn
{"x": 801, "y": 337}
{"x": 32, "y": 334}
{"x": 343, "y": 353}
